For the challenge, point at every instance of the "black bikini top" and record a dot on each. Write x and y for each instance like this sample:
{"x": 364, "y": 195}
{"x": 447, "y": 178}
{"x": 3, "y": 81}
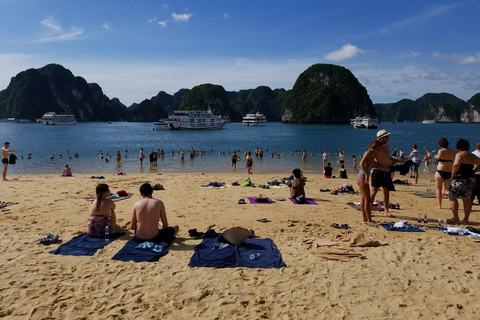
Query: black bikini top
{"x": 443, "y": 160}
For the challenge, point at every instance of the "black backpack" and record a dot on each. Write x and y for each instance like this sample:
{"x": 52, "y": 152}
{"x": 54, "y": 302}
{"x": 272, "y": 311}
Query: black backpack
{"x": 12, "y": 159}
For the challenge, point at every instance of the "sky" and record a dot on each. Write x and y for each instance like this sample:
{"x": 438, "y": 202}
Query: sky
{"x": 135, "y": 49}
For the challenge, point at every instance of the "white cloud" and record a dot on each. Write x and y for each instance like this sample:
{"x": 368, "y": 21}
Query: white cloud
{"x": 184, "y": 17}
{"x": 457, "y": 58}
{"x": 152, "y": 20}
{"x": 163, "y": 23}
{"x": 348, "y": 51}
{"x": 107, "y": 26}
{"x": 226, "y": 16}
{"x": 56, "y": 32}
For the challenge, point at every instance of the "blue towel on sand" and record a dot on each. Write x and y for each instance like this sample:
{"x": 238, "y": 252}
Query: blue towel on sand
{"x": 83, "y": 245}
{"x": 130, "y": 252}
{"x": 390, "y": 227}
{"x": 253, "y": 253}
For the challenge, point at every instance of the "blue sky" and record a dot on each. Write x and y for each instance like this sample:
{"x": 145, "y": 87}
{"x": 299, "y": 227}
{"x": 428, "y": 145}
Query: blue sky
{"x": 134, "y": 49}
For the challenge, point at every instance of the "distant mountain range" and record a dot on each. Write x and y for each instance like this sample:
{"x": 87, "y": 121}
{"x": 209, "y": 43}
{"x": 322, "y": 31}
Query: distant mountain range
{"x": 323, "y": 93}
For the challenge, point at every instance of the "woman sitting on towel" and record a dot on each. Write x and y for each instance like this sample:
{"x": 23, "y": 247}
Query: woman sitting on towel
{"x": 363, "y": 178}
{"x": 102, "y": 213}
{"x": 297, "y": 185}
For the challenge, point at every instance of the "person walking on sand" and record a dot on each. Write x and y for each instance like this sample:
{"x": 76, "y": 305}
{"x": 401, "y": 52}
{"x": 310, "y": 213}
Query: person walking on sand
{"x": 148, "y": 215}
{"x": 366, "y": 165}
{"x": 463, "y": 180}
{"x": 443, "y": 175}
{"x": 5, "y": 154}
{"x": 380, "y": 178}
{"x": 118, "y": 156}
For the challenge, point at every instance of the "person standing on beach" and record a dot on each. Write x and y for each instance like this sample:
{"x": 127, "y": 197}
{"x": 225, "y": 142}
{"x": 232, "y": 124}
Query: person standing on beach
{"x": 415, "y": 157}
{"x": 5, "y": 154}
{"x": 148, "y": 215}
{"x": 379, "y": 177}
{"x": 463, "y": 182}
{"x": 443, "y": 174}
{"x": 476, "y": 190}
{"x": 325, "y": 157}
{"x": 366, "y": 165}
{"x": 354, "y": 168}
{"x": 249, "y": 163}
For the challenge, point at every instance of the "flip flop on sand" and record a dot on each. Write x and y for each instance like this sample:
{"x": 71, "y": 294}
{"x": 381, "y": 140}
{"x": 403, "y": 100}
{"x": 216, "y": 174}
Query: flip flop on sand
{"x": 264, "y": 220}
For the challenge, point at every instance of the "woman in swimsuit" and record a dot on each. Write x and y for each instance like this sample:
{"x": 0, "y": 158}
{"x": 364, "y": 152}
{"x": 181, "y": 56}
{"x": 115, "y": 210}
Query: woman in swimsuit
{"x": 366, "y": 165}
{"x": 463, "y": 181}
{"x": 102, "y": 213}
{"x": 443, "y": 176}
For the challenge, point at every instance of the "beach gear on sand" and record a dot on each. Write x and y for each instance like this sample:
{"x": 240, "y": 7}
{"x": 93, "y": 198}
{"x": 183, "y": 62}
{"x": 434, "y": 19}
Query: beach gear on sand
{"x": 307, "y": 201}
{"x": 260, "y": 200}
{"x": 401, "y": 226}
{"x": 252, "y": 253}
{"x": 83, "y": 245}
{"x": 132, "y": 252}
{"x": 236, "y": 235}
{"x": 49, "y": 239}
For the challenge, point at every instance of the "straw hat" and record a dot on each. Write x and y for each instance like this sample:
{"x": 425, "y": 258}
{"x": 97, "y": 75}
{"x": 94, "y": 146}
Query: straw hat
{"x": 236, "y": 235}
{"x": 382, "y": 133}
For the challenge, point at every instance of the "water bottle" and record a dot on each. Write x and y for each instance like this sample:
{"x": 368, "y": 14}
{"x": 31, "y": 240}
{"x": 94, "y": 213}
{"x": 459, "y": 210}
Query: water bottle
{"x": 439, "y": 225}
{"x": 425, "y": 220}
{"x": 107, "y": 233}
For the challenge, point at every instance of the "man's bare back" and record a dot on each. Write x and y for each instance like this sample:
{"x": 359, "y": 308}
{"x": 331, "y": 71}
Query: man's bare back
{"x": 146, "y": 217}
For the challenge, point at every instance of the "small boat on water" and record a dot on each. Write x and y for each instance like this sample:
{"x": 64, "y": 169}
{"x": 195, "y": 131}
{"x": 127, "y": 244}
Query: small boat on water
{"x": 160, "y": 125}
{"x": 51, "y": 118}
{"x": 364, "y": 122}
{"x": 194, "y": 120}
{"x": 428, "y": 121}
{"x": 254, "y": 120}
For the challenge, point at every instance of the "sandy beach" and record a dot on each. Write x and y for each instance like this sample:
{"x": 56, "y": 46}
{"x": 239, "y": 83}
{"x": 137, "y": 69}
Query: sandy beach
{"x": 426, "y": 275}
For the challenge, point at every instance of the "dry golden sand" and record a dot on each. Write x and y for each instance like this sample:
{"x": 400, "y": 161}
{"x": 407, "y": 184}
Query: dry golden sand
{"x": 418, "y": 275}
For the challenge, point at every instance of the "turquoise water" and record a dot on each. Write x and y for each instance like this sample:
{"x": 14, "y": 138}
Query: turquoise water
{"x": 89, "y": 138}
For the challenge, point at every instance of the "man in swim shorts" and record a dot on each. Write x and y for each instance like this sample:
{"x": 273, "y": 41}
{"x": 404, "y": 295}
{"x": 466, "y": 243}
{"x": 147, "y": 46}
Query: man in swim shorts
{"x": 148, "y": 215}
{"x": 381, "y": 178}
{"x": 5, "y": 154}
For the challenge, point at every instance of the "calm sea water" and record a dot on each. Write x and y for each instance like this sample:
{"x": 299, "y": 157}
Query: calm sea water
{"x": 88, "y": 139}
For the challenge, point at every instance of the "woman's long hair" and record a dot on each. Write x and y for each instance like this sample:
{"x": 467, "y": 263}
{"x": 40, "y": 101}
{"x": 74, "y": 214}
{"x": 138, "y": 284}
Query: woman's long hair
{"x": 100, "y": 190}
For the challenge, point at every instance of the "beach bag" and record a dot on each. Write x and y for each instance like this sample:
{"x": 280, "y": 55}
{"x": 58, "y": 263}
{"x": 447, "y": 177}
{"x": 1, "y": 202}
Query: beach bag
{"x": 247, "y": 182}
{"x": 122, "y": 193}
{"x": 12, "y": 159}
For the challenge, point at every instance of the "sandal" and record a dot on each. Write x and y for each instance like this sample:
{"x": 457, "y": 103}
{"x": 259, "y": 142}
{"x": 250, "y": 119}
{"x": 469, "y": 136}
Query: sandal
{"x": 264, "y": 220}
{"x": 344, "y": 226}
{"x": 241, "y": 201}
{"x": 335, "y": 225}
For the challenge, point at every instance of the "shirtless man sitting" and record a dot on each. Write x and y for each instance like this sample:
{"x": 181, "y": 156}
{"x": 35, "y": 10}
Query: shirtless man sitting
{"x": 148, "y": 215}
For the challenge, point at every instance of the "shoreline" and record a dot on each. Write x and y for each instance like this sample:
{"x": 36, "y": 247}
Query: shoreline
{"x": 429, "y": 274}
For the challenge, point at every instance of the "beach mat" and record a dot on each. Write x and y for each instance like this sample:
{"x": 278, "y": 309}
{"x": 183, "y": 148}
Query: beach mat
{"x": 308, "y": 200}
{"x": 253, "y": 200}
{"x": 390, "y": 227}
{"x": 252, "y": 253}
{"x": 130, "y": 252}
{"x": 84, "y": 245}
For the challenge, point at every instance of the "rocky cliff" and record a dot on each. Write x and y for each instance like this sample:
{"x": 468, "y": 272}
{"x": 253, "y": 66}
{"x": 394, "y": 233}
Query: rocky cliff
{"x": 33, "y": 92}
{"x": 326, "y": 93}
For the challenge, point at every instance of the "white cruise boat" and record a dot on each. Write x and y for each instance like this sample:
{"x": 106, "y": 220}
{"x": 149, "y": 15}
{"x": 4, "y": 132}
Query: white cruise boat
{"x": 194, "y": 120}
{"x": 51, "y": 118}
{"x": 254, "y": 120}
{"x": 364, "y": 122}
{"x": 160, "y": 125}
